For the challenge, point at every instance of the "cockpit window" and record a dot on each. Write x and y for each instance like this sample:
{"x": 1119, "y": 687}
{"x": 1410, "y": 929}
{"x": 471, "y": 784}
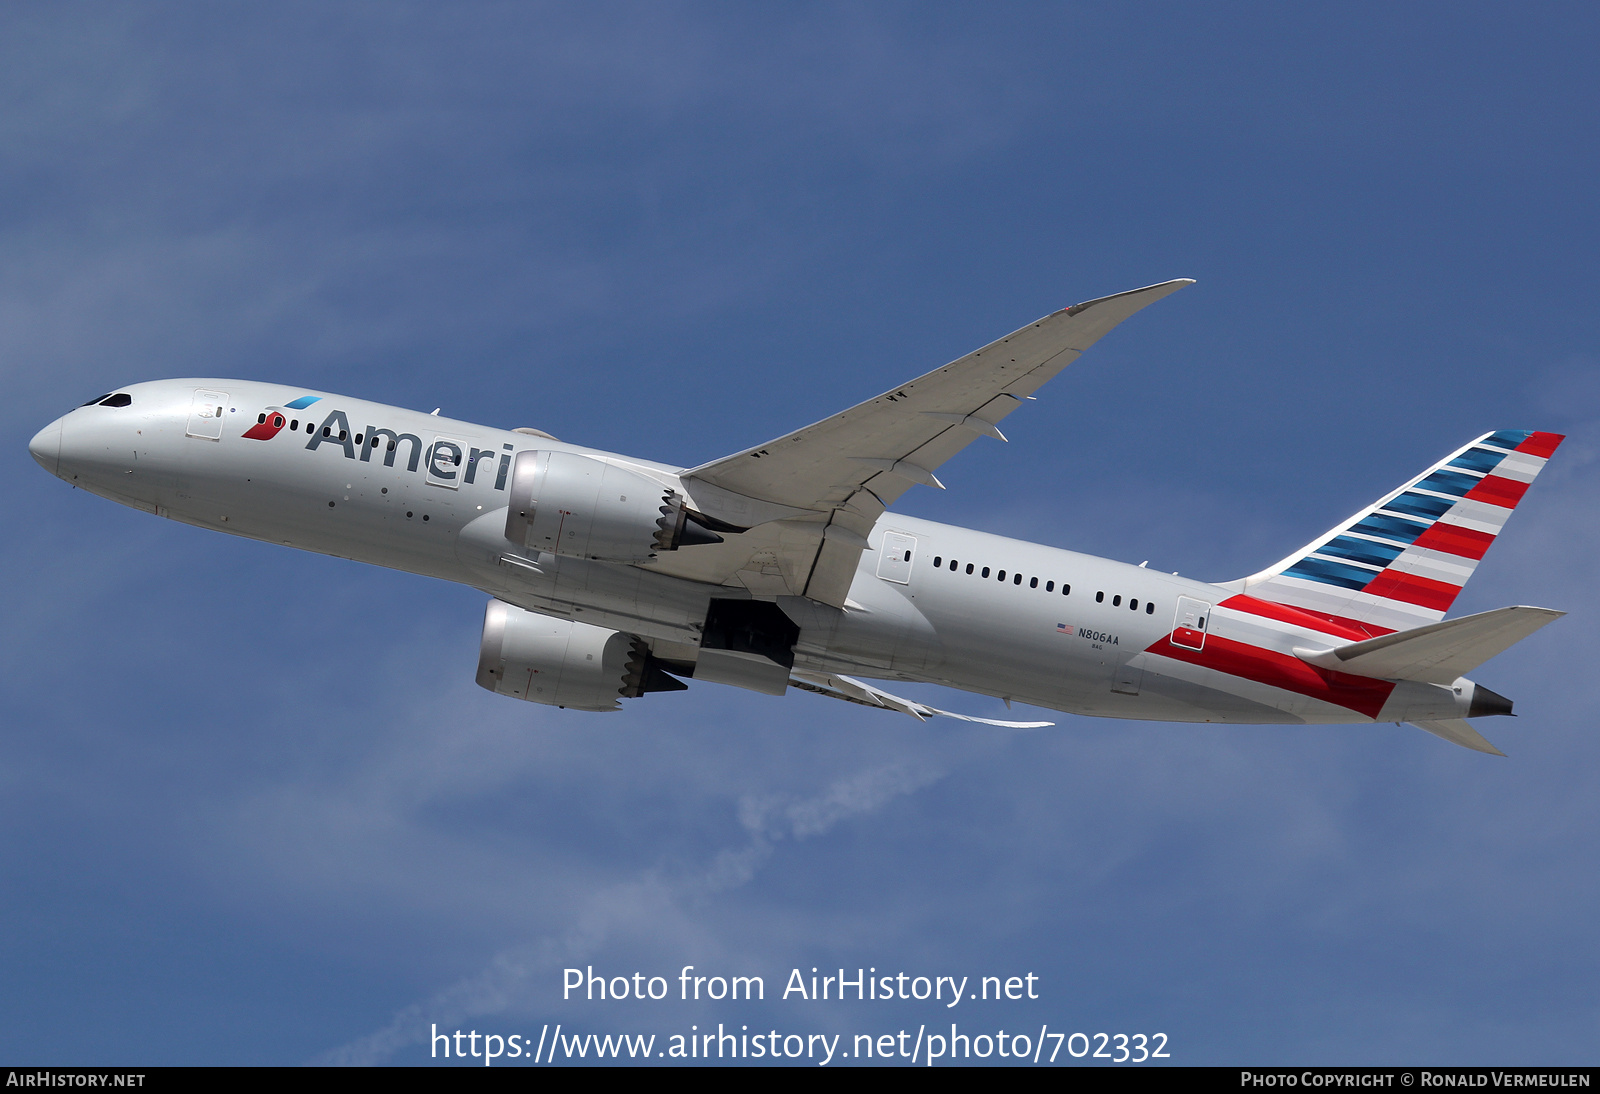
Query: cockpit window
{"x": 121, "y": 398}
{"x": 96, "y": 399}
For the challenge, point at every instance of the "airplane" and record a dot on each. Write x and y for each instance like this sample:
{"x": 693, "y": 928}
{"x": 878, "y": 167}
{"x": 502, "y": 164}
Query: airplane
{"x": 781, "y": 566}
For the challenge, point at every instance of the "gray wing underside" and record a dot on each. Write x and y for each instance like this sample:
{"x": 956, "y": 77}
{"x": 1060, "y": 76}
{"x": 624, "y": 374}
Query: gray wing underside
{"x": 812, "y": 496}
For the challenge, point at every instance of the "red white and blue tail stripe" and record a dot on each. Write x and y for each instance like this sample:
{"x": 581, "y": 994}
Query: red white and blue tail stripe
{"x": 1400, "y": 563}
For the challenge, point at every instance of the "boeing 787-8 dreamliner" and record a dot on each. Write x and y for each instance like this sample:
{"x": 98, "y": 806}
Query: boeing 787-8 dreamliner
{"x": 611, "y": 576}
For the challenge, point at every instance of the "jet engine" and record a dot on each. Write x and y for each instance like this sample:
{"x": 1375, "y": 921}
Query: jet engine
{"x": 586, "y": 508}
{"x": 563, "y": 663}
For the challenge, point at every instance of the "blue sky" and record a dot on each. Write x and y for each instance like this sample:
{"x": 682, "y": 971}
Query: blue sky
{"x": 253, "y": 808}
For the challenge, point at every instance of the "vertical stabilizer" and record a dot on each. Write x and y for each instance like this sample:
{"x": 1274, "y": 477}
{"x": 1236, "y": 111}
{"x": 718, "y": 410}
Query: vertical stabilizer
{"x": 1399, "y": 563}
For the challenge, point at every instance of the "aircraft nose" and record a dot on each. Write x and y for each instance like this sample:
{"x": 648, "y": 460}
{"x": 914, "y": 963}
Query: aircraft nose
{"x": 46, "y": 447}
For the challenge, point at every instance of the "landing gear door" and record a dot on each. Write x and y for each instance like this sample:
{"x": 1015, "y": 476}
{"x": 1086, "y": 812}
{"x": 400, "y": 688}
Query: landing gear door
{"x": 895, "y": 555}
{"x": 1189, "y": 627}
{"x": 205, "y": 414}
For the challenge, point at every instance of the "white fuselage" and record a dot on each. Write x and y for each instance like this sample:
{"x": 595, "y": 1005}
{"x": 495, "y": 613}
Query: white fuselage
{"x": 1074, "y": 633}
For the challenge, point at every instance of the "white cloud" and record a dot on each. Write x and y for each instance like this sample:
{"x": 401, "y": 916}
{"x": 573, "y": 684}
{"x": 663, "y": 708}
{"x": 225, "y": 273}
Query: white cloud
{"x": 651, "y": 906}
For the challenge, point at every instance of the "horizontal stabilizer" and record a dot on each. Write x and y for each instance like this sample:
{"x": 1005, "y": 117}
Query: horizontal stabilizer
{"x": 852, "y": 690}
{"x": 1438, "y": 653}
{"x": 1460, "y": 732}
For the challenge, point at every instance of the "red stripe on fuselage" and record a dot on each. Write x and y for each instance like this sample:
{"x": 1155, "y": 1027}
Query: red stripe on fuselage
{"x": 1281, "y": 670}
{"x": 1453, "y": 539}
{"x": 1498, "y": 491}
{"x": 1542, "y": 444}
{"x": 1302, "y": 617}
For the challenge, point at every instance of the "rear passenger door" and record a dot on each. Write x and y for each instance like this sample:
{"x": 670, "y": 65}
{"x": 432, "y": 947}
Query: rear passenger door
{"x": 1189, "y": 625}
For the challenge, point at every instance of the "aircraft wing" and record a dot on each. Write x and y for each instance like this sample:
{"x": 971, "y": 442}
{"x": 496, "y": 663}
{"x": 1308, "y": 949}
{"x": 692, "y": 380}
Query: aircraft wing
{"x": 830, "y": 481}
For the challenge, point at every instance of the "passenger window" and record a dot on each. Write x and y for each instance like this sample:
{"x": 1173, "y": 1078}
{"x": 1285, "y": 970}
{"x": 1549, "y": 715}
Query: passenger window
{"x": 1116, "y": 601}
{"x": 937, "y": 561}
{"x": 908, "y": 553}
{"x": 1001, "y": 575}
{"x": 294, "y": 423}
{"x": 1049, "y": 586}
{"x": 261, "y": 419}
{"x": 1065, "y": 589}
{"x": 969, "y": 567}
{"x": 985, "y": 571}
{"x": 1133, "y": 605}
{"x": 1149, "y": 608}
{"x": 1017, "y": 580}
{"x": 952, "y": 565}
{"x": 1099, "y": 598}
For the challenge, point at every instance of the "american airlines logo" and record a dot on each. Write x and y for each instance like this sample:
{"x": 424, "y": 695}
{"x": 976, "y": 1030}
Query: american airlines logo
{"x": 446, "y": 461}
{"x": 271, "y": 420}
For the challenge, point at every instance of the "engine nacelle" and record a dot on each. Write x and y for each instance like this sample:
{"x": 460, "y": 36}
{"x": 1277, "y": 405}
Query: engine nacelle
{"x": 563, "y": 663}
{"x": 586, "y": 508}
